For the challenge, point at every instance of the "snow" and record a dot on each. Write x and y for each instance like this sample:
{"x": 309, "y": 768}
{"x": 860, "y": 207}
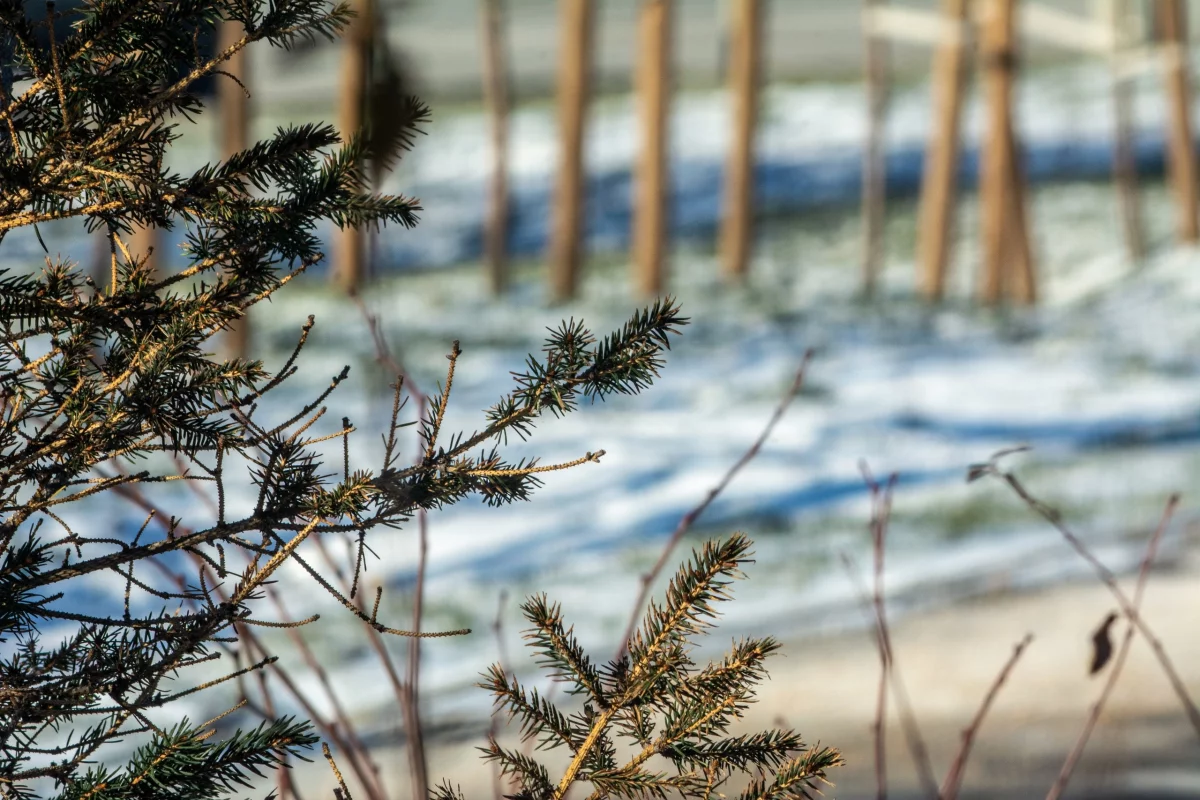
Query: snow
{"x": 1103, "y": 379}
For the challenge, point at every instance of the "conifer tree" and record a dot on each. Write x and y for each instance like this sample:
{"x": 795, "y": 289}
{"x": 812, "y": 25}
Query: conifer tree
{"x": 112, "y": 391}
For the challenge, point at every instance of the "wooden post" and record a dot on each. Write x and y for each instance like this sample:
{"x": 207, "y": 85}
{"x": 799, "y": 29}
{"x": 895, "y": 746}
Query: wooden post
{"x": 1001, "y": 197}
{"x": 574, "y": 85}
{"x": 651, "y": 210}
{"x": 348, "y": 247}
{"x": 1017, "y": 235}
{"x": 874, "y": 175}
{"x": 1125, "y": 33}
{"x": 146, "y": 240}
{"x": 233, "y": 114}
{"x": 1008, "y": 257}
{"x": 143, "y": 242}
{"x": 1172, "y": 21}
{"x": 995, "y": 37}
{"x": 495, "y": 96}
{"x": 744, "y": 65}
{"x": 939, "y": 184}
{"x": 721, "y": 12}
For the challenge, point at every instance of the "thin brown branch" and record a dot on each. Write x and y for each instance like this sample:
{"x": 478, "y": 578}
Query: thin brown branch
{"x": 879, "y": 727}
{"x": 339, "y": 711}
{"x": 1068, "y": 767}
{"x": 408, "y": 690}
{"x": 1106, "y": 576}
{"x": 881, "y": 504}
{"x": 373, "y": 636}
{"x": 690, "y": 517}
{"x": 330, "y": 730}
{"x": 494, "y": 723}
{"x": 907, "y": 717}
{"x": 417, "y": 761}
{"x": 954, "y": 775}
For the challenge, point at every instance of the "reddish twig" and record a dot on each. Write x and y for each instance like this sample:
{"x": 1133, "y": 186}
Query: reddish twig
{"x": 318, "y": 669}
{"x": 954, "y": 775}
{"x": 1052, "y": 516}
{"x": 1068, "y": 767}
{"x": 493, "y": 725}
{"x": 881, "y": 513}
{"x": 412, "y": 711}
{"x": 330, "y": 730}
{"x": 375, "y": 638}
{"x": 908, "y": 719}
{"x": 287, "y": 790}
{"x": 878, "y": 532}
{"x": 418, "y": 763}
{"x": 690, "y": 517}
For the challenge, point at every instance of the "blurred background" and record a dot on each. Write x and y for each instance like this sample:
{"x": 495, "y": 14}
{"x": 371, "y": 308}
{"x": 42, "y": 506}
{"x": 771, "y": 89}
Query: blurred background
{"x": 981, "y": 216}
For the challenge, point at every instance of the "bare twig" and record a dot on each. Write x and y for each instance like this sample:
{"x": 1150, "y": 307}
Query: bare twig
{"x": 878, "y": 531}
{"x": 408, "y": 690}
{"x": 690, "y": 517}
{"x": 1064, "y": 775}
{"x": 1052, "y": 516}
{"x": 954, "y": 775}
{"x": 330, "y": 730}
{"x": 881, "y": 511}
{"x": 338, "y": 710}
{"x": 493, "y": 725}
{"x": 908, "y": 719}
{"x": 412, "y": 710}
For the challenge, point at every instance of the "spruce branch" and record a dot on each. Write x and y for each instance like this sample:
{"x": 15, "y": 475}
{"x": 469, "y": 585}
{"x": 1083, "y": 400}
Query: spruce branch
{"x": 655, "y": 677}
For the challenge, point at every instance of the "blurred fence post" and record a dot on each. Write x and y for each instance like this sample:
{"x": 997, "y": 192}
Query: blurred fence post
{"x": 721, "y": 11}
{"x": 1007, "y": 262}
{"x": 939, "y": 183}
{"x": 496, "y": 97}
{"x": 347, "y": 271}
{"x": 996, "y": 46}
{"x": 874, "y": 168}
{"x": 574, "y": 84}
{"x": 1173, "y": 30}
{"x": 737, "y": 228}
{"x": 1017, "y": 231}
{"x": 146, "y": 240}
{"x": 233, "y": 116}
{"x": 650, "y": 219}
{"x": 1125, "y": 32}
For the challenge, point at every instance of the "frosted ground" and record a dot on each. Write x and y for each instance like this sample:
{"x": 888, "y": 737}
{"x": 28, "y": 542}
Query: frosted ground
{"x": 1103, "y": 379}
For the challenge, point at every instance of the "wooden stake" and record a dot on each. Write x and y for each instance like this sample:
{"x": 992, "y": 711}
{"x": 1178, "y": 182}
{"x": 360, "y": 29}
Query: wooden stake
{"x": 997, "y": 187}
{"x": 348, "y": 248}
{"x": 744, "y": 67}
{"x": 939, "y": 185}
{"x": 233, "y": 112}
{"x": 650, "y": 214}
{"x": 1124, "y": 165}
{"x": 146, "y": 240}
{"x": 495, "y": 96}
{"x": 874, "y": 180}
{"x": 1172, "y": 21}
{"x": 1017, "y": 236}
{"x": 574, "y": 86}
